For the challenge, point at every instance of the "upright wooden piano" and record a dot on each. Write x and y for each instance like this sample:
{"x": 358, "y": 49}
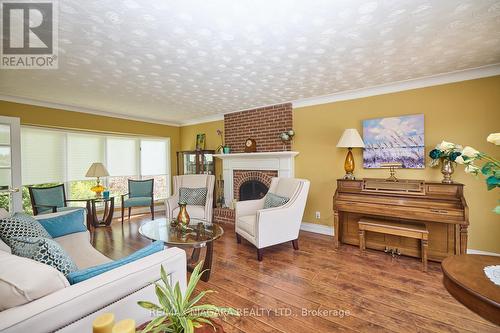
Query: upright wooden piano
{"x": 441, "y": 207}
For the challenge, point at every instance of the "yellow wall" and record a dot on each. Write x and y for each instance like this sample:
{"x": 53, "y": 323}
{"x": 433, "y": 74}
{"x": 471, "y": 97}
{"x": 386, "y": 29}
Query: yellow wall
{"x": 464, "y": 113}
{"x": 42, "y": 116}
{"x": 188, "y": 139}
{"x": 188, "y": 135}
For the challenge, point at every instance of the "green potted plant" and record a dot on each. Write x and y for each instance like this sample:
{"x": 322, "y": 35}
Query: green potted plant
{"x": 182, "y": 313}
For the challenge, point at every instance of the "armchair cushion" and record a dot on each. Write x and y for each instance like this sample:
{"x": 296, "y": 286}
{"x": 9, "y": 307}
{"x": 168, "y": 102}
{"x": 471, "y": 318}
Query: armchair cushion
{"x": 45, "y": 251}
{"x": 21, "y": 225}
{"x": 193, "y": 196}
{"x": 64, "y": 224}
{"x": 88, "y": 273}
{"x": 137, "y": 202}
{"x": 247, "y": 224}
{"x": 274, "y": 200}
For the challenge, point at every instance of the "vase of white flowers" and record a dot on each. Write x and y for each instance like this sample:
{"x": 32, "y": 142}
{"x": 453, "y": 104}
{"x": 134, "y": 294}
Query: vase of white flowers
{"x": 447, "y": 154}
{"x": 447, "y": 170}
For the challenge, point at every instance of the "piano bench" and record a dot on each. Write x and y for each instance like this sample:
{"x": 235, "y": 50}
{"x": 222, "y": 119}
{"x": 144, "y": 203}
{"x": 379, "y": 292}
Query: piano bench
{"x": 418, "y": 231}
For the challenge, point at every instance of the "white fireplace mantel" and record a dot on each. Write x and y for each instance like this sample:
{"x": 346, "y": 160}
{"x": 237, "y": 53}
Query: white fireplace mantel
{"x": 282, "y": 161}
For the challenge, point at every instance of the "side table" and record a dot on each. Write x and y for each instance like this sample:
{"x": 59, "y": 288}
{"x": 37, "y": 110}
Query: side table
{"x": 107, "y": 217}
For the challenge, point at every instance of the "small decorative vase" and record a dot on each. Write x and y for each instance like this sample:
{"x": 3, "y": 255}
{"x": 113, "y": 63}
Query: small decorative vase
{"x": 447, "y": 170}
{"x": 183, "y": 216}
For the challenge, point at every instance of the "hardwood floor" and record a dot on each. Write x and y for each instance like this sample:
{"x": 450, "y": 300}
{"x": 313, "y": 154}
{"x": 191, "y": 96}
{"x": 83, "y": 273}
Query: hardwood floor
{"x": 317, "y": 288}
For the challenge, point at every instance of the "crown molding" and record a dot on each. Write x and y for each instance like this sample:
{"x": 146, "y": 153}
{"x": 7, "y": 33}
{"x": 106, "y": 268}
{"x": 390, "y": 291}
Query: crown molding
{"x": 201, "y": 120}
{"x": 434, "y": 80}
{"x": 428, "y": 81}
{"x": 67, "y": 107}
{"x": 220, "y": 116}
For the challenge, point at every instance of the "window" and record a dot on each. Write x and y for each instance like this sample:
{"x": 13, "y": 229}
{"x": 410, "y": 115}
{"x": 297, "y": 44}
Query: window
{"x": 56, "y": 156}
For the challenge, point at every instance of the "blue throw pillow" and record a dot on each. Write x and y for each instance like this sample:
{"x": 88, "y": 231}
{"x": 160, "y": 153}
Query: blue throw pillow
{"x": 64, "y": 224}
{"x": 90, "y": 272}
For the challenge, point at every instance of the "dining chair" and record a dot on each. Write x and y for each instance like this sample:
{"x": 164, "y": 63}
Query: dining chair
{"x": 140, "y": 194}
{"x": 49, "y": 199}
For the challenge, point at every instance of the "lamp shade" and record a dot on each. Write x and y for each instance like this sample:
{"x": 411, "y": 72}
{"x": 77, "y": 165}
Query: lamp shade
{"x": 350, "y": 139}
{"x": 97, "y": 170}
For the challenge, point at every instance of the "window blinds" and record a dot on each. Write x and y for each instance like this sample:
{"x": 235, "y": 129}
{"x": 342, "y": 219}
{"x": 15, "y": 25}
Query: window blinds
{"x": 53, "y": 156}
{"x": 43, "y": 155}
{"x": 83, "y": 150}
{"x": 153, "y": 157}
{"x": 122, "y": 156}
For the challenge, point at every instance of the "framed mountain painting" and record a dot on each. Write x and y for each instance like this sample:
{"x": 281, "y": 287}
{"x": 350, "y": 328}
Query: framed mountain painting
{"x": 394, "y": 139}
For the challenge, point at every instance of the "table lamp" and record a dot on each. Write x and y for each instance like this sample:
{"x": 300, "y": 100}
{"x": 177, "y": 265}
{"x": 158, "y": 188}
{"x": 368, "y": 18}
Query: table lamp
{"x": 350, "y": 139}
{"x": 98, "y": 170}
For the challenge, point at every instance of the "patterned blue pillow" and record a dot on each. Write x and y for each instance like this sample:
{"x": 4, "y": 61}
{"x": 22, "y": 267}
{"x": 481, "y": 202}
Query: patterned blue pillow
{"x": 20, "y": 225}
{"x": 193, "y": 196}
{"x": 45, "y": 251}
{"x": 274, "y": 200}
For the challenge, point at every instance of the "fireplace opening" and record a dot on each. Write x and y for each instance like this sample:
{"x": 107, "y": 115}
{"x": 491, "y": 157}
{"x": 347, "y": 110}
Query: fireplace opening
{"x": 252, "y": 190}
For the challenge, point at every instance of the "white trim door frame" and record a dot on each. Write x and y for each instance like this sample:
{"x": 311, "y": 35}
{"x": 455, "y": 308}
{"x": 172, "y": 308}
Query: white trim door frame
{"x": 14, "y": 146}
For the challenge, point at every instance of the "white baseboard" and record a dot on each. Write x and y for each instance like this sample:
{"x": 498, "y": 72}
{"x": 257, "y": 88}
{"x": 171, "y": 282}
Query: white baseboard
{"x": 472, "y": 251}
{"x": 317, "y": 228}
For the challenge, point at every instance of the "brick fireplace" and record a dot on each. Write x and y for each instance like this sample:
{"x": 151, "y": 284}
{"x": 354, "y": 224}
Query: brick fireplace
{"x": 241, "y": 177}
{"x": 263, "y": 125}
{"x": 252, "y": 172}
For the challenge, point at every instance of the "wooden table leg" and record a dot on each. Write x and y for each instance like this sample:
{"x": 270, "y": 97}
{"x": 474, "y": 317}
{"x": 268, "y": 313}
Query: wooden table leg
{"x": 424, "y": 255}
{"x": 207, "y": 263}
{"x": 195, "y": 255}
{"x": 336, "y": 231}
{"x": 108, "y": 211}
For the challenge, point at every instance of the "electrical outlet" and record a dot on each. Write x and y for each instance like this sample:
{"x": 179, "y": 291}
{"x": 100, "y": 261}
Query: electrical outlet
{"x": 318, "y": 215}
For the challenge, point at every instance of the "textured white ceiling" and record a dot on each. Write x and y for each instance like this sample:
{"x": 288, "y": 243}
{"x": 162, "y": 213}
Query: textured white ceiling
{"x": 181, "y": 60}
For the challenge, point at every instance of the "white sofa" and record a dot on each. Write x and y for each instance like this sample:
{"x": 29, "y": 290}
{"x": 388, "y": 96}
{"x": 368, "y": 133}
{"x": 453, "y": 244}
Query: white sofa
{"x": 271, "y": 226}
{"x": 192, "y": 181}
{"x": 74, "y": 307}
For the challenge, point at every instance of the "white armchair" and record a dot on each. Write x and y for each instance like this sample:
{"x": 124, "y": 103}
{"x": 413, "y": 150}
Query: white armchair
{"x": 192, "y": 181}
{"x": 267, "y": 227}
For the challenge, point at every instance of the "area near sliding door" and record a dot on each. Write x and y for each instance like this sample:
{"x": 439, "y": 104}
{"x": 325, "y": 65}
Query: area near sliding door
{"x": 10, "y": 164}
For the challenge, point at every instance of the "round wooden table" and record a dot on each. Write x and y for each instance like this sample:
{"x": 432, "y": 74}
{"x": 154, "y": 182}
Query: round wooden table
{"x": 200, "y": 234}
{"x": 464, "y": 278}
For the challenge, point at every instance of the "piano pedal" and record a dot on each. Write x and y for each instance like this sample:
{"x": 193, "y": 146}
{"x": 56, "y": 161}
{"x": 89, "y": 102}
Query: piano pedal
{"x": 393, "y": 252}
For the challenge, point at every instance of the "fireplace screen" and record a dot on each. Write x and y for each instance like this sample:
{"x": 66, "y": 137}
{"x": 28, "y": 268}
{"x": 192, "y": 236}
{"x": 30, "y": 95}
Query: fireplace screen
{"x": 252, "y": 190}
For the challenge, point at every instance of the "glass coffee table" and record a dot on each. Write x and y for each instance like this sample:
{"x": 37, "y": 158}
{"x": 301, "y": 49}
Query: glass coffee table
{"x": 199, "y": 235}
